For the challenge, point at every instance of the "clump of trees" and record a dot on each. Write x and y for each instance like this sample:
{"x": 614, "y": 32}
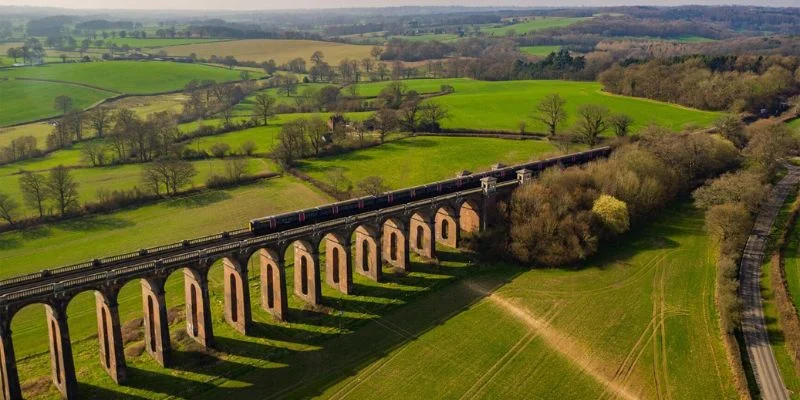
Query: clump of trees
{"x": 53, "y": 193}
{"x": 738, "y": 83}
{"x": 567, "y": 215}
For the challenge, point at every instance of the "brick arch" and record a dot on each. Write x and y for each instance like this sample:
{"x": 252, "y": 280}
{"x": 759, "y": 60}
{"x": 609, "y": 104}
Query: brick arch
{"x": 338, "y": 260}
{"x": 368, "y": 249}
{"x": 236, "y": 293}
{"x": 447, "y": 226}
{"x": 421, "y": 228}
{"x": 469, "y": 215}
{"x": 273, "y": 282}
{"x": 306, "y": 271}
{"x": 395, "y": 242}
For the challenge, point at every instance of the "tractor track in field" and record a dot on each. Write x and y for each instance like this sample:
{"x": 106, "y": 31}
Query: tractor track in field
{"x": 509, "y": 356}
{"x": 624, "y": 283}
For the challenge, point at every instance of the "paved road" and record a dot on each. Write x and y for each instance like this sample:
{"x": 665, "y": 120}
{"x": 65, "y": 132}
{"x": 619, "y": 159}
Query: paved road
{"x": 762, "y": 360}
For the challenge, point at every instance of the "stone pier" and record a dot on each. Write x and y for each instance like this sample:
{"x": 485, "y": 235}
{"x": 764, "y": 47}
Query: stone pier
{"x": 109, "y": 333}
{"x": 198, "y": 307}
{"x": 237, "y": 295}
{"x": 61, "y": 362}
{"x": 156, "y": 326}
{"x": 339, "y": 263}
{"x": 306, "y": 273}
{"x": 368, "y": 253}
{"x": 273, "y": 284}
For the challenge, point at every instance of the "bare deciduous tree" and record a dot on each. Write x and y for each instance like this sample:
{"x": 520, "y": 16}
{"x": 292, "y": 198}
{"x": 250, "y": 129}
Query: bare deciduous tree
{"x": 9, "y": 209}
{"x": 551, "y": 111}
{"x": 592, "y": 122}
{"x": 62, "y": 188}
{"x": 34, "y": 191}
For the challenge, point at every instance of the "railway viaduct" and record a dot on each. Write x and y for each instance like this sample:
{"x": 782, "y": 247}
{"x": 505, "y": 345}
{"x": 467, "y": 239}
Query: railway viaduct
{"x": 360, "y": 243}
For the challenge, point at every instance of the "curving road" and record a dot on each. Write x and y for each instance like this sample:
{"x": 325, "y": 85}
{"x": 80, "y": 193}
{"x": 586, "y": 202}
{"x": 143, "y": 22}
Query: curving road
{"x": 754, "y": 329}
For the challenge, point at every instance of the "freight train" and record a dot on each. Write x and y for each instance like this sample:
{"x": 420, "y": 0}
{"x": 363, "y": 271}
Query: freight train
{"x": 360, "y": 205}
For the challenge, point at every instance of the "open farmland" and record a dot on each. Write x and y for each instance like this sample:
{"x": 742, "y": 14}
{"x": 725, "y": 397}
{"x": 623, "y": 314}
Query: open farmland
{"x": 541, "y": 51}
{"x": 22, "y": 101}
{"x": 502, "y": 105}
{"x": 531, "y": 25}
{"x": 149, "y": 43}
{"x": 136, "y": 77}
{"x": 121, "y": 177}
{"x": 637, "y": 323}
{"x": 404, "y": 162}
{"x": 279, "y": 50}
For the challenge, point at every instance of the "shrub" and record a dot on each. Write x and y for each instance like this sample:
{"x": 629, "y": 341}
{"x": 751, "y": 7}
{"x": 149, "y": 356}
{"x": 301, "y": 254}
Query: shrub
{"x": 612, "y": 212}
{"x": 220, "y": 149}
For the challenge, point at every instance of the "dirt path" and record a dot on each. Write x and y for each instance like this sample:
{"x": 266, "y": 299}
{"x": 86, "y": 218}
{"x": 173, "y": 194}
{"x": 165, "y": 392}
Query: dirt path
{"x": 559, "y": 342}
{"x": 754, "y": 328}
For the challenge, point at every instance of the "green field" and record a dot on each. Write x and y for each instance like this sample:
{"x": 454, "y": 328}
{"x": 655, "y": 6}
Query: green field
{"x": 427, "y": 37}
{"x": 28, "y": 100}
{"x": 638, "y": 320}
{"x": 119, "y": 177}
{"x": 407, "y": 162}
{"x": 792, "y": 264}
{"x": 150, "y": 42}
{"x": 532, "y": 25}
{"x": 502, "y": 105}
{"x": 636, "y": 323}
{"x": 137, "y": 77}
{"x": 541, "y": 51}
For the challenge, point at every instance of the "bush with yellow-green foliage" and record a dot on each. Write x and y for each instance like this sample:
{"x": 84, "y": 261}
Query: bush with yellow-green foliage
{"x": 612, "y": 213}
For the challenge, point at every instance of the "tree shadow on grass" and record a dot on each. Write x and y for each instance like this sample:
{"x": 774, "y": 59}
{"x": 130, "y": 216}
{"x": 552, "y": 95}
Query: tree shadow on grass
{"x": 199, "y": 200}
{"x": 88, "y": 391}
{"x": 95, "y": 223}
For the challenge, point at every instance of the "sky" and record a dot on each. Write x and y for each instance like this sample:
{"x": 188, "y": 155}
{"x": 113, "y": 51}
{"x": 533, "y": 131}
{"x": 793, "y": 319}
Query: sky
{"x": 315, "y": 4}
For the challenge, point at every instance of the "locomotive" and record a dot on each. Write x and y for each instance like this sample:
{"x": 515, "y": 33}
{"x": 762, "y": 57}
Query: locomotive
{"x": 310, "y": 216}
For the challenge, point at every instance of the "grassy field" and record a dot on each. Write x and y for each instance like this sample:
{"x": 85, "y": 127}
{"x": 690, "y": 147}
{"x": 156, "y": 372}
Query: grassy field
{"x": 142, "y": 105}
{"x": 137, "y": 77}
{"x": 541, "y": 51}
{"x": 151, "y": 42}
{"x": 120, "y": 177}
{"x": 427, "y": 37}
{"x": 27, "y": 100}
{"x": 532, "y": 25}
{"x": 792, "y": 264}
{"x": 637, "y": 322}
{"x": 279, "y": 50}
{"x": 405, "y": 162}
{"x": 39, "y": 130}
{"x": 794, "y": 125}
{"x": 502, "y": 105}
{"x": 145, "y": 105}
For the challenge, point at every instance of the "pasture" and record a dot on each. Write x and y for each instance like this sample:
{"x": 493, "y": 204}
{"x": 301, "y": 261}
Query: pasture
{"x": 539, "y": 51}
{"x": 28, "y": 100}
{"x": 265, "y": 49}
{"x": 503, "y": 105}
{"x": 418, "y": 160}
{"x": 118, "y": 177}
{"x": 638, "y": 321}
{"x": 531, "y": 25}
{"x": 135, "y": 77}
{"x": 39, "y": 130}
{"x": 152, "y": 42}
